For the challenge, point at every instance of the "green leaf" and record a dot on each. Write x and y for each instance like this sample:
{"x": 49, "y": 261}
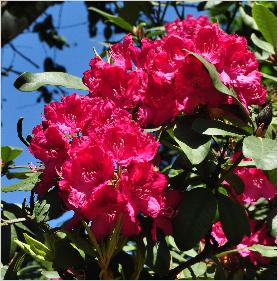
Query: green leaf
{"x": 8, "y": 235}
{"x": 195, "y": 217}
{"x": 272, "y": 176}
{"x": 194, "y": 145}
{"x": 19, "y": 175}
{"x": 248, "y": 20}
{"x": 50, "y": 274}
{"x": 66, "y": 255}
{"x": 263, "y": 152}
{"x": 198, "y": 270}
{"x": 233, "y": 218}
{"x": 41, "y": 211}
{"x": 265, "y": 251}
{"x": 162, "y": 259}
{"x": 81, "y": 243}
{"x": 266, "y": 22}
{"x": 235, "y": 182}
{"x": 28, "y": 81}
{"x": 267, "y": 76}
{"x": 114, "y": 19}
{"x": 24, "y": 185}
{"x": 37, "y": 247}
{"x": 262, "y": 44}
{"x": 8, "y": 153}
{"x": 216, "y": 128}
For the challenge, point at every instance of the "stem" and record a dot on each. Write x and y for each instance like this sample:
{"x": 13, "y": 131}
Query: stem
{"x": 23, "y": 56}
{"x": 7, "y": 222}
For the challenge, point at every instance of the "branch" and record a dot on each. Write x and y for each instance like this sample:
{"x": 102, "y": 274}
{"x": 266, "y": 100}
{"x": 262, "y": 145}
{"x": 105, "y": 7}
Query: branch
{"x": 23, "y": 56}
{"x": 7, "y": 222}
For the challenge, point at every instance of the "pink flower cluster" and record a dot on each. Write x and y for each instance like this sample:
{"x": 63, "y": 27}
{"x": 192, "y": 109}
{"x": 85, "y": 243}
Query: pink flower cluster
{"x": 259, "y": 235}
{"x": 160, "y": 79}
{"x": 256, "y": 184}
{"x": 101, "y": 161}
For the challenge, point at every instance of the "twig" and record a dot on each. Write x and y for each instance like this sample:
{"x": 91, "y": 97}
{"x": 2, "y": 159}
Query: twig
{"x": 23, "y": 56}
{"x": 7, "y": 222}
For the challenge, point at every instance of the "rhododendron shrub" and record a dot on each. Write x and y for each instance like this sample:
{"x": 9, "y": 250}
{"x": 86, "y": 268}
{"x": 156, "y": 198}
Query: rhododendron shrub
{"x": 167, "y": 162}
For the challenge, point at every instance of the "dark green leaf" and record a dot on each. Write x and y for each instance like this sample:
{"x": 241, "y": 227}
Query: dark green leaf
{"x": 233, "y": 218}
{"x": 263, "y": 152}
{"x": 195, "y": 217}
{"x": 81, "y": 243}
{"x": 66, "y": 255}
{"x": 262, "y": 44}
{"x": 194, "y": 145}
{"x": 235, "y": 182}
{"x": 216, "y": 128}
{"x": 8, "y": 235}
{"x": 9, "y": 153}
{"x": 272, "y": 176}
{"x": 265, "y": 251}
{"x": 19, "y": 175}
{"x": 114, "y": 19}
{"x": 220, "y": 273}
{"x": 24, "y": 185}
{"x": 14, "y": 266}
{"x": 162, "y": 259}
{"x": 266, "y": 22}
{"x": 28, "y": 81}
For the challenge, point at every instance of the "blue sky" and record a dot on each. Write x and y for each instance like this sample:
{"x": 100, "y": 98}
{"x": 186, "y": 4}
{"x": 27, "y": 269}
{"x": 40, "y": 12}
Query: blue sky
{"x": 76, "y": 60}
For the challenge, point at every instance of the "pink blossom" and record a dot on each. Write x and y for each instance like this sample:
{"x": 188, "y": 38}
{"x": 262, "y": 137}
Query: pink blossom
{"x": 218, "y": 233}
{"x": 125, "y": 141}
{"x": 143, "y": 188}
{"x": 104, "y": 211}
{"x": 259, "y": 235}
{"x": 256, "y": 185}
{"x": 167, "y": 212}
{"x": 88, "y": 169}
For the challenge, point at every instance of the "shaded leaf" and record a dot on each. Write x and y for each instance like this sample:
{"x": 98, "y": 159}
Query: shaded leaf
{"x": 14, "y": 266}
{"x": 28, "y": 81}
{"x": 194, "y": 145}
{"x": 233, "y": 219}
{"x": 263, "y": 152}
{"x": 236, "y": 182}
{"x": 41, "y": 211}
{"x": 24, "y": 185}
{"x": 195, "y": 217}
{"x": 216, "y": 128}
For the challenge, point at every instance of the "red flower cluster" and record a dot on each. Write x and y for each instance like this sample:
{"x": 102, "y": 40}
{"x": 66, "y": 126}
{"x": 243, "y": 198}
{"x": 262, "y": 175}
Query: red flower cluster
{"x": 101, "y": 161}
{"x": 161, "y": 78}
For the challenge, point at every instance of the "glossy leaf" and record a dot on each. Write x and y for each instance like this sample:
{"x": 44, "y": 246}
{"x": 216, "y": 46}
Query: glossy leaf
{"x": 248, "y": 20}
{"x": 114, "y": 19}
{"x": 219, "y": 85}
{"x": 28, "y": 81}
{"x": 216, "y": 128}
{"x": 265, "y": 251}
{"x": 262, "y": 151}
{"x": 195, "y": 217}
{"x": 194, "y": 145}
{"x": 266, "y": 22}
{"x": 262, "y": 44}
{"x": 9, "y": 153}
{"x": 233, "y": 218}
{"x": 24, "y": 185}
{"x": 236, "y": 183}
